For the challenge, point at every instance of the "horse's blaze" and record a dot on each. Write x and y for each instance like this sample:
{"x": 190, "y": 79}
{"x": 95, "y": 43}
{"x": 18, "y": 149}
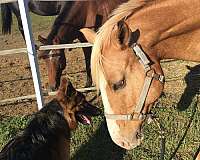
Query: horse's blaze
{"x": 52, "y": 65}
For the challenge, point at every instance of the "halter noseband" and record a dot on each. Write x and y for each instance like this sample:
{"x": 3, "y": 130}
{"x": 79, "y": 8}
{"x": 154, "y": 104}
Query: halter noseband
{"x": 150, "y": 75}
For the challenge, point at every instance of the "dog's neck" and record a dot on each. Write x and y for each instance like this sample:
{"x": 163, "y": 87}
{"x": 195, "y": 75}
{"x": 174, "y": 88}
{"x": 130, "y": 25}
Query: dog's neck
{"x": 63, "y": 144}
{"x": 55, "y": 106}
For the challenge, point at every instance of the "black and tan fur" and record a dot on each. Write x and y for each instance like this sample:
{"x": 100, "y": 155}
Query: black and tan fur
{"x": 47, "y": 136}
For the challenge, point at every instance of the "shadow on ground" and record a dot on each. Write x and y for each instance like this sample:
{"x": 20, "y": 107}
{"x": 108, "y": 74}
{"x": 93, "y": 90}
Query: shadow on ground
{"x": 100, "y": 147}
{"x": 192, "y": 80}
{"x": 188, "y": 125}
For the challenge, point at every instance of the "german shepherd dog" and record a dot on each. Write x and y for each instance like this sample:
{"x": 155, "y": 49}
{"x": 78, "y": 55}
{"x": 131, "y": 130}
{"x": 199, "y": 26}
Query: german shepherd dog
{"x": 47, "y": 136}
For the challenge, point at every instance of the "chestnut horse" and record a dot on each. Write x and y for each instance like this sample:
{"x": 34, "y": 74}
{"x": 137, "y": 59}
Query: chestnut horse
{"x": 90, "y": 14}
{"x": 72, "y": 15}
{"x": 126, "y": 58}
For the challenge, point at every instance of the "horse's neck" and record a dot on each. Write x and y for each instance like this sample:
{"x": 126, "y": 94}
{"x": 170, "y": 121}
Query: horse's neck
{"x": 185, "y": 47}
{"x": 171, "y": 28}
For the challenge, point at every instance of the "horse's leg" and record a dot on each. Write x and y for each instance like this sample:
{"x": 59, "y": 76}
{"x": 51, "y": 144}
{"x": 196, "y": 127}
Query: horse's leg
{"x": 14, "y": 7}
{"x": 87, "y": 53}
{"x": 20, "y": 26}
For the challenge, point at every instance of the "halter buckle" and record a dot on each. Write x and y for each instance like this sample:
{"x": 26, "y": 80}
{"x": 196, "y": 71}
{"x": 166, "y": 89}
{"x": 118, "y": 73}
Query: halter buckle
{"x": 155, "y": 76}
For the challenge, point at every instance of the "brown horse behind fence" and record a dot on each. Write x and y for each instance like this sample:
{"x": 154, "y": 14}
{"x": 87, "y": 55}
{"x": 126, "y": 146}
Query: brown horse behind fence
{"x": 91, "y": 14}
{"x": 71, "y": 16}
{"x": 126, "y": 59}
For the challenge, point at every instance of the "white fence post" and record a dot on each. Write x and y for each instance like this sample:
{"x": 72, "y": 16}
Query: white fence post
{"x": 23, "y": 6}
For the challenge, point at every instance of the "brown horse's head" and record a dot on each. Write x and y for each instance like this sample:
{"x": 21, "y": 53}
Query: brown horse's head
{"x": 55, "y": 61}
{"x": 120, "y": 74}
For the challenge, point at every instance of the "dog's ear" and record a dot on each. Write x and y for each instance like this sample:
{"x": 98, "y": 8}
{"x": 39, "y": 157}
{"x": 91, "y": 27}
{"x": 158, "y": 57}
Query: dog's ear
{"x": 70, "y": 90}
{"x": 66, "y": 89}
{"x": 62, "y": 88}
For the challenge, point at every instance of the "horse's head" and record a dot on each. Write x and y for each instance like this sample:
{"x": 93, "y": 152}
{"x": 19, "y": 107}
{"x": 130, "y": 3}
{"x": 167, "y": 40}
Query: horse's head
{"x": 55, "y": 61}
{"x": 129, "y": 78}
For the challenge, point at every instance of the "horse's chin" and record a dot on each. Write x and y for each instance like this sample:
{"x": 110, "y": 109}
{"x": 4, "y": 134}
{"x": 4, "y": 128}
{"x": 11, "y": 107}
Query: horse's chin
{"x": 128, "y": 145}
{"x": 125, "y": 137}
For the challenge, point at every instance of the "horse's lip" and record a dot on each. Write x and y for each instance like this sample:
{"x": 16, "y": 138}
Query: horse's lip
{"x": 140, "y": 135}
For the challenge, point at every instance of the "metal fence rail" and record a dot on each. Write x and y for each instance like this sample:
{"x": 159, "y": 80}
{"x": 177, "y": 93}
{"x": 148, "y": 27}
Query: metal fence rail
{"x": 46, "y": 47}
{"x": 33, "y": 96}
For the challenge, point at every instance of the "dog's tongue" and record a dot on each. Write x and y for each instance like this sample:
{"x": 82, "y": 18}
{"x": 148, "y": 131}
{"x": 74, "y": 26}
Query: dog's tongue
{"x": 86, "y": 119}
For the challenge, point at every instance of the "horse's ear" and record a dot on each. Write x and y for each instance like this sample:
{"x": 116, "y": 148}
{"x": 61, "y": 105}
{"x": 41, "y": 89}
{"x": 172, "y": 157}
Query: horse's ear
{"x": 125, "y": 36}
{"x": 42, "y": 39}
{"x": 89, "y": 34}
{"x": 134, "y": 37}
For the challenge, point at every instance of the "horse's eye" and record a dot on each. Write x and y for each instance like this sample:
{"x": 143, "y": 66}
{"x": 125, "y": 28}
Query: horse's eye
{"x": 119, "y": 85}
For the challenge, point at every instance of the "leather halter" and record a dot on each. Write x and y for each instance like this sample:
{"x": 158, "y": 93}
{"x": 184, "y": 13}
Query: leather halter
{"x": 150, "y": 75}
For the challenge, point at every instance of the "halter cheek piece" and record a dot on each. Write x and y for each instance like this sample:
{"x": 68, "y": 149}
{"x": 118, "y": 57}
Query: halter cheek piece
{"x": 150, "y": 75}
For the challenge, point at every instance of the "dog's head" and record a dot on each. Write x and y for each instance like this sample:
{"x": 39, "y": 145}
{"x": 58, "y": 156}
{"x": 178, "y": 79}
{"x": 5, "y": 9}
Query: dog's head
{"x": 74, "y": 104}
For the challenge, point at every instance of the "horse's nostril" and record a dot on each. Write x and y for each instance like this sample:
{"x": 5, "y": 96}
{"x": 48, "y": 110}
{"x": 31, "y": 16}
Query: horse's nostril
{"x": 52, "y": 88}
{"x": 139, "y": 135}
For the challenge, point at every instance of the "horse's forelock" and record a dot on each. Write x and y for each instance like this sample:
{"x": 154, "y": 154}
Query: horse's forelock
{"x": 104, "y": 36}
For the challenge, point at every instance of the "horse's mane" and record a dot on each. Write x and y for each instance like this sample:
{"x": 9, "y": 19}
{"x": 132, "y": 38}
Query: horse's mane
{"x": 104, "y": 35}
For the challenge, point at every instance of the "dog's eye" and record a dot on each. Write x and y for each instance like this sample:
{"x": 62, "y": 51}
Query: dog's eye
{"x": 119, "y": 85}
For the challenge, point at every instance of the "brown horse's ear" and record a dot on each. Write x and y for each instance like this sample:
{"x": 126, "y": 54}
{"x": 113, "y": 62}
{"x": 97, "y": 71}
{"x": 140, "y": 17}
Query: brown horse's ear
{"x": 42, "y": 39}
{"x": 89, "y": 34}
{"x": 125, "y": 36}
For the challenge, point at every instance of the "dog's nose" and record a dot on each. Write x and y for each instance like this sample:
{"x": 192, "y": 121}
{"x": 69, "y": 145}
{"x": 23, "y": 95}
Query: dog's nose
{"x": 98, "y": 111}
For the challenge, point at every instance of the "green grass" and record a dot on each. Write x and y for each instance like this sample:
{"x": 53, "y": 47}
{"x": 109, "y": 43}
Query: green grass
{"x": 9, "y": 127}
{"x": 181, "y": 128}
